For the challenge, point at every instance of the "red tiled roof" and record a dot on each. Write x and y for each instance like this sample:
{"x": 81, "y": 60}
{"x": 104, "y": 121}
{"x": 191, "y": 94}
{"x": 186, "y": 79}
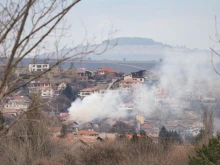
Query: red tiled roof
{"x": 87, "y": 140}
{"x": 20, "y": 97}
{"x": 88, "y": 90}
{"x": 106, "y": 70}
{"x": 196, "y": 123}
{"x": 87, "y": 132}
{"x": 129, "y": 136}
{"x": 147, "y": 126}
{"x": 67, "y": 141}
{"x": 61, "y": 115}
{"x": 175, "y": 125}
{"x": 153, "y": 135}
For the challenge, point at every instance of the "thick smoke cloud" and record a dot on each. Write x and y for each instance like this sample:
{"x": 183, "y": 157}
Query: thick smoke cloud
{"x": 178, "y": 73}
{"x": 97, "y": 106}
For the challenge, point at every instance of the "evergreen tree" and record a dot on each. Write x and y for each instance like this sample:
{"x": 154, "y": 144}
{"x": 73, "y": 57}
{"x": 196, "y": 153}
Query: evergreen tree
{"x": 163, "y": 136}
{"x": 122, "y": 128}
{"x": 169, "y": 137}
{"x": 142, "y": 133}
{"x": 207, "y": 155}
{"x": 174, "y": 137}
{"x": 200, "y": 136}
{"x": 68, "y": 92}
{"x": 134, "y": 137}
{"x": 2, "y": 122}
{"x": 63, "y": 131}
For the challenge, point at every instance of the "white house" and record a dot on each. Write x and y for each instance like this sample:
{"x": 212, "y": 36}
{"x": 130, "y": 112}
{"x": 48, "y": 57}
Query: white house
{"x": 15, "y": 105}
{"x": 35, "y": 86}
{"x": 126, "y": 85}
{"x": 87, "y": 91}
{"x": 46, "y": 91}
{"x": 38, "y": 67}
{"x": 61, "y": 86}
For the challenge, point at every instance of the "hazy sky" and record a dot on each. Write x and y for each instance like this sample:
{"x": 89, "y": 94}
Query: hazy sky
{"x": 175, "y": 22}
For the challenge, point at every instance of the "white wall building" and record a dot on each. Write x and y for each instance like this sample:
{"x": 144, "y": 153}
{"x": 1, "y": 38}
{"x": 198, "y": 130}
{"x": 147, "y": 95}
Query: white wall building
{"x": 47, "y": 92}
{"x": 86, "y": 92}
{"x": 38, "y": 67}
{"x": 15, "y": 105}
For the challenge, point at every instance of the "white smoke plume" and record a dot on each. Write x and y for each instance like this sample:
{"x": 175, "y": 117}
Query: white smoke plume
{"x": 179, "y": 73}
{"x": 97, "y": 106}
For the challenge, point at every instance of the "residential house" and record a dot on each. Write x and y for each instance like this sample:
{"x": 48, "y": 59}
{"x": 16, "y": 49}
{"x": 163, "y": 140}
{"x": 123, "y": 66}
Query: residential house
{"x": 82, "y": 74}
{"x": 126, "y": 107}
{"x": 161, "y": 95}
{"x": 86, "y": 92}
{"x": 104, "y": 71}
{"x": 61, "y": 86}
{"x": 176, "y": 127}
{"x": 100, "y": 89}
{"x": 14, "y": 112}
{"x": 90, "y": 134}
{"x": 150, "y": 128}
{"x": 129, "y": 136}
{"x": 63, "y": 116}
{"x": 154, "y": 137}
{"x": 126, "y": 85}
{"x": 15, "y": 105}
{"x": 110, "y": 137}
{"x": 208, "y": 100}
{"x": 195, "y": 128}
{"x": 139, "y": 76}
{"x": 140, "y": 118}
{"x": 40, "y": 83}
{"x": 127, "y": 76}
{"x": 72, "y": 126}
{"x": 46, "y": 92}
{"x": 38, "y": 67}
{"x": 44, "y": 88}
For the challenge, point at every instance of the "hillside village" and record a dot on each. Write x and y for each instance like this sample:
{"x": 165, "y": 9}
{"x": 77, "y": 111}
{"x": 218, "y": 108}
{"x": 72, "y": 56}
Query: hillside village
{"x": 109, "y": 82}
{"x": 61, "y": 87}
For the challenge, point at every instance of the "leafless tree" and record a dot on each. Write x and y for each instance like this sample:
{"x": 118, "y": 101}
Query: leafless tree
{"x": 208, "y": 124}
{"x": 215, "y": 53}
{"x": 25, "y": 28}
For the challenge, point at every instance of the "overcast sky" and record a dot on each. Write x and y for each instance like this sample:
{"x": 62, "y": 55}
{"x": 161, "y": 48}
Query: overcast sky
{"x": 174, "y": 22}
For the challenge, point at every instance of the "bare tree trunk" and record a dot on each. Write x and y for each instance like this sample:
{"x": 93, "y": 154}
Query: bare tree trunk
{"x": 25, "y": 26}
{"x": 208, "y": 124}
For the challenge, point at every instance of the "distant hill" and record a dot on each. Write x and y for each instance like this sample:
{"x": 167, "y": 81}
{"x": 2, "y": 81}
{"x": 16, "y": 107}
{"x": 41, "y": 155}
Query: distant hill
{"x": 134, "y": 41}
{"x": 138, "y": 49}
